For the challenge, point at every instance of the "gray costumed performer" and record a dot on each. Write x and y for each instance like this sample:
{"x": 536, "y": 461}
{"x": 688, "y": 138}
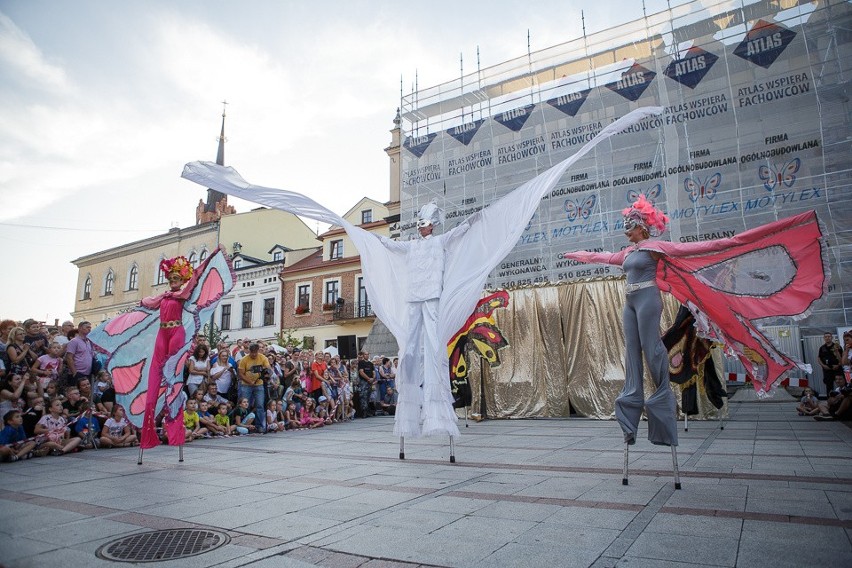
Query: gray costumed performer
{"x": 641, "y": 317}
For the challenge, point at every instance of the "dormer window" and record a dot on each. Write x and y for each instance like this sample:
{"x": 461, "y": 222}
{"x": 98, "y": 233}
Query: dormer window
{"x": 366, "y": 216}
{"x": 335, "y": 249}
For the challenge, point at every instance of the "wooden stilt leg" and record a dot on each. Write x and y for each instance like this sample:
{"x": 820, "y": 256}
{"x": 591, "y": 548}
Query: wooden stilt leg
{"x": 465, "y": 417}
{"x": 452, "y": 450}
{"x": 402, "y": 447}
{"x": 624, "y": 470}
{"x": 722, "y": 423}
{"x": 180, "y": 453}
{"x": 140, "y": 456}
{"x": 685, "y": 422}
{"x": 674, "y": 466}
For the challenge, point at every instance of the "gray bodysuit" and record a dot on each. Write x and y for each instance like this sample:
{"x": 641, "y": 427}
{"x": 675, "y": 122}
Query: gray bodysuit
{"x": 641, "y": 318}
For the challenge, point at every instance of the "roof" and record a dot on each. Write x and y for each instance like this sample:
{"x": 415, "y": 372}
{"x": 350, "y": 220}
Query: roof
{"x": 316, "y": 261}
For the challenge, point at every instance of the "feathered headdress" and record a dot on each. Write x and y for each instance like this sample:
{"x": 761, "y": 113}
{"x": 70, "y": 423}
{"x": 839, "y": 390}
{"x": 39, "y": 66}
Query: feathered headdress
{"x": 178, "y": 265}
{"x": 643, "y": 214}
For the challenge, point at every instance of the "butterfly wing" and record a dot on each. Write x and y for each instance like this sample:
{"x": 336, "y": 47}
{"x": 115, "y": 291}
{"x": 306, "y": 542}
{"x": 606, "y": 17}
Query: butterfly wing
{"x": 768, "y": 177}
{"x": 128, "y": 341}
{"x": 571, "y": 209}
{"x": 788, "y": 172}
{"x": 588, "y": 206}
{"x": 712, "y": 183}
{"x": 693, "y": 188}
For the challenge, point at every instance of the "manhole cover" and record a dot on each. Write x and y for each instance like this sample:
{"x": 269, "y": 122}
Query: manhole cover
{"x": 162, "y": 545}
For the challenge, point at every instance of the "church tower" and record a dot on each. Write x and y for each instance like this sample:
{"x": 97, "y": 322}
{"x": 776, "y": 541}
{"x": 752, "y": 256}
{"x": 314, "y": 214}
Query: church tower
{"x": 217, "y": 203}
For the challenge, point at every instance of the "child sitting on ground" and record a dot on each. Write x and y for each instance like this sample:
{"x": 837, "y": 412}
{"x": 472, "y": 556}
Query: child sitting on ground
{"x": 291, "y": 417}
{"x": 243, "y": 419}
{"x": 191, "y": 421}
{"x": 308, "y": 417}
{"x": 323, "y": 412}
{"x": 117, "y": 432}
{"x": 74, "y": 403}
{"x": 273, "y": 424}
{"x": 54, "y": 428}
{"x": 14, "y": 445}
{"x": 223, "y": 420}
{"x": 808, "y": 405}
{"x": 207, "y": 420}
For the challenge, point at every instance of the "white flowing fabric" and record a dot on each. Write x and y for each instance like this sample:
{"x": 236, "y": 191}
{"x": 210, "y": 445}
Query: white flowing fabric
{"x": 492, "y": 233}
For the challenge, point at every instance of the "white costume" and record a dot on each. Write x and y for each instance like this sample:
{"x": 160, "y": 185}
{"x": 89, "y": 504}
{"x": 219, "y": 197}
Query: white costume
{"x": 425, "y": 405}
{"x": 422, "y": 311}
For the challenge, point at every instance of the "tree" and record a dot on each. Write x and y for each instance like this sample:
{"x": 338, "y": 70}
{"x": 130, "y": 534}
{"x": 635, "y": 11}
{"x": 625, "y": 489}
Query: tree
{"x": 213, "y": 334}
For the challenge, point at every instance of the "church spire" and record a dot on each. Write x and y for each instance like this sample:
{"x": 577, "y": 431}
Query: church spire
{"x": 217, "y": 202}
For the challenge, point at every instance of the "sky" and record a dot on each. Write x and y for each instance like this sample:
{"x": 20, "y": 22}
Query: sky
{"x": 102, "y": 103}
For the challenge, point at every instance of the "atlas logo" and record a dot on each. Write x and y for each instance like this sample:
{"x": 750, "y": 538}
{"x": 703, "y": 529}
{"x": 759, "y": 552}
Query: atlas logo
{"x": 699, "y": 188}
{"x": 633, "y": 82}
{"x": 764, "y": 43}
{"x": 417, "y": 144}
{"x": 570, "y": 104}
{"x": 785, "y": 176}
{"x": 464, "y": 133}
{"x": 692, "y": 68}
{"x": 515, "y": 119}
{"x": 581, "y": 209}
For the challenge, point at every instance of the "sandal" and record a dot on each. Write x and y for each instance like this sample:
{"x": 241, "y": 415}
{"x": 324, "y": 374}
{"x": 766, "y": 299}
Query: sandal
{"x": 56, "y": 452}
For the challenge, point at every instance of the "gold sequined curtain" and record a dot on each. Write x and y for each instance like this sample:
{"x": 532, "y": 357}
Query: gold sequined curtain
{"x": 566, "y": 344}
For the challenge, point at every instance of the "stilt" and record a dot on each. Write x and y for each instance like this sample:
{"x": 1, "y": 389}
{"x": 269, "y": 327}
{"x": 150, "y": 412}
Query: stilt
{"x": 685, "y": 422}
{"x": 465, "y": 417}
{"x": 140, "y": 456}
{"x": 722, "y": 423}
{"x": 402, "y": 447}
{"x": 624, "y": 470}
{"x": 180, "y": 453}
{"x": 452, "y": 450}
{"x": 674, "y": 466}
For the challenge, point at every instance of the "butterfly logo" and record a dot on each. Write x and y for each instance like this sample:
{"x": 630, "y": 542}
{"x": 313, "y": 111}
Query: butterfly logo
{"x": 696, "y": 188}
{"x": 580, "y": 209}
{"x": 650, "y": 194}
{"x": 773, "y": 177}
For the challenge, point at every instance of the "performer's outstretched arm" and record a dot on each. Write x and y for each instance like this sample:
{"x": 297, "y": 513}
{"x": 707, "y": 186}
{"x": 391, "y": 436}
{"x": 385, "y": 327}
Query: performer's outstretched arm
{"x": 614, "y": 258}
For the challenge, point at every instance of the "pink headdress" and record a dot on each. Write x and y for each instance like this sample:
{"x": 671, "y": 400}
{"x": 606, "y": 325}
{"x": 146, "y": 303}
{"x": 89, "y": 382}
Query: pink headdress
{"x": 178, "y": 265}
{"x": 643, "y": 214}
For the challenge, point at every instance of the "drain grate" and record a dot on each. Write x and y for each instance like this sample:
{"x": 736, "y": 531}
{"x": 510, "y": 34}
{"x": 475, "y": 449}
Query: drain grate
{"x": 155, "y": 546}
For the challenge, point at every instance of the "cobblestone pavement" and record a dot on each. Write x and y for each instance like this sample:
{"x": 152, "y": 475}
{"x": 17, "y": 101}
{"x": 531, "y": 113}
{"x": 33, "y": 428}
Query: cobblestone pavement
{"x": 771, "y": 489}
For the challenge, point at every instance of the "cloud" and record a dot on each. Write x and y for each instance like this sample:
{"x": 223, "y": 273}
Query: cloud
{"x": 26, "y": 59}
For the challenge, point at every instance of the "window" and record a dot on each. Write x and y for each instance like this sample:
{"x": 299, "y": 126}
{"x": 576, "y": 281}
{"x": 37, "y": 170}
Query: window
{"x": 331, "y": 343}
{"x": 203, "y": 256}
{"x": 363, "y": 301}
{"x": 366, "y": 216}
{"x": 246, "y": 315}
{"x": 87, "y": 288}
{"x": 335, "y": 250}
{"x": 269, "y": 311}
{"x": 332, "y": 291}
{"x": 238, "y": 262}
{"x": 193, "y": 259}
{"x": 225, "y": 322}
{"x": 109, "y": 283}
{"x": 278, "y": 255}
{"x": 133, "y": 278}
{"x": 303, "y": 296}
{"x": 161, "y": 278}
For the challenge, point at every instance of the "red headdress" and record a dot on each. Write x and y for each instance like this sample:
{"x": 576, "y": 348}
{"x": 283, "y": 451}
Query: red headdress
{"x": 643, "y": 213}
{"x": 178, "y": 265}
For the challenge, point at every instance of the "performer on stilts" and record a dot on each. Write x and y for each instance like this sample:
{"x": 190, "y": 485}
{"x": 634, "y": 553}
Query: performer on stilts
{"x": 641, "y": 319}
{"x": 776, "y": 270}
{"x": 147, "y": 347}
{"x": 170, "y": 339}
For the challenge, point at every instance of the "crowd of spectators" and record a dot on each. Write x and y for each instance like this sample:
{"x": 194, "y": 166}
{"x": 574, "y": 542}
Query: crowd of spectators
{"x": 55, "y": 397}
{"x": 835, "y": 361}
